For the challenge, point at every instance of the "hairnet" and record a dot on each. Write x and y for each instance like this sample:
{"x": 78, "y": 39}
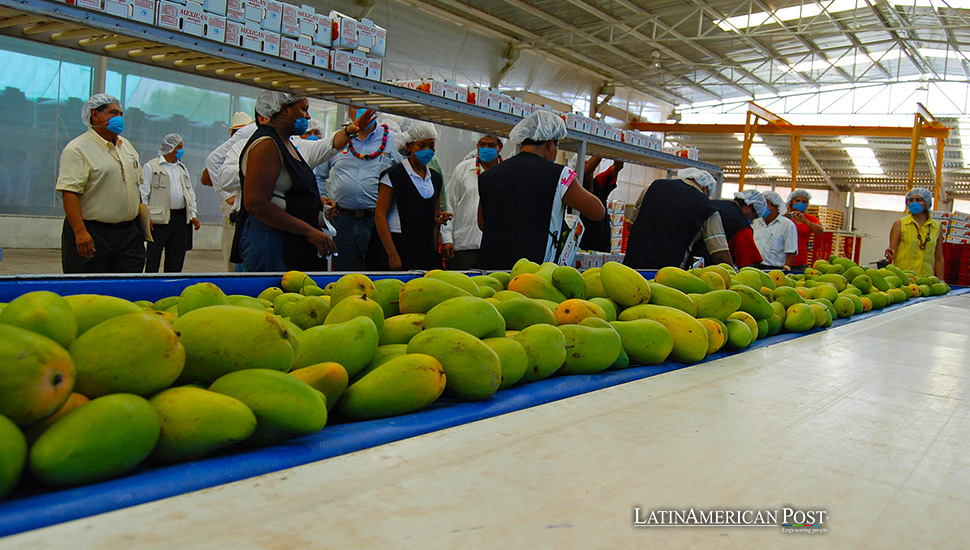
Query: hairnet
{"x": 240, "y": 119}
{"x": 169, "y": 143}
{"x": 316, "y": 125}
{"x": 97, "y": 100}
{"x": 269, "y": 103}
{"x": 414, "y": 130}
{"x": 754, "y": 199}
{"x": 799, "y": 193}
{"x": 541, "y": 125}
{"x": 775, "y": 199}
{"x": 922, "y": 192}
{"x": 499, "y": 138}
{"x": 704, "y": 178}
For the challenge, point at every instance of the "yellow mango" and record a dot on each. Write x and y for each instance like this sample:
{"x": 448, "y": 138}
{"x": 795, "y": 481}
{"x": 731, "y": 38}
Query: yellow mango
{"x": 472, "y": 369}
{"x": 403, "y": 385}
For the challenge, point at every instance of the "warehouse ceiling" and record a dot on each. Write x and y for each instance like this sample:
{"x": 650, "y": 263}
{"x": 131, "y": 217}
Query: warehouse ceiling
{"x": 688, "y": 53}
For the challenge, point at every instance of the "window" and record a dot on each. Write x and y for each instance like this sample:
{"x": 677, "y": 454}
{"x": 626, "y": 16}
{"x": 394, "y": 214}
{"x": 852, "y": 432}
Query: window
{"x": 878, "y": 201}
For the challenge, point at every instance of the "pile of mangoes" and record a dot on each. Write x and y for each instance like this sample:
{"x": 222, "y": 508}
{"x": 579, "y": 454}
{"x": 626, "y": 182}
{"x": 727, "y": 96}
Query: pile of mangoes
{"x": 92, "y": 386}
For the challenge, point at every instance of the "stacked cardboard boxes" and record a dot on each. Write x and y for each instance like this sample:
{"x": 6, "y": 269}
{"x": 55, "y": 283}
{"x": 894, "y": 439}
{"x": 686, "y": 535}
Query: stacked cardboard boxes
{"x": 615, "y": 212}
{"x": 357, "y": 46}
{"x": 955, "y": 226}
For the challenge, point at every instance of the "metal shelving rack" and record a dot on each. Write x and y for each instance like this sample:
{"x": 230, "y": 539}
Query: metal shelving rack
{"x": 69, "y": 26}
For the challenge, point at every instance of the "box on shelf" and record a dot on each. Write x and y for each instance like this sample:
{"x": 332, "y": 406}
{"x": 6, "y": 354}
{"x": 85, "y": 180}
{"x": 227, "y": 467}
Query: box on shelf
{"x": 521, "y": 108}
{"x": 654, "y": 143}
{"x": 355, "y": 64}
{"x": 302, "y": 50}
{"x": 322, "y": 33}
{"x": 272, "y": 20}
{"x": 452, "y": 90}
{"x": 94, "y": 5}
{"x": 578, "y": 122}
{"x": 215, "y": 7}
{"x": 255, "y": 9}
{"x": 490, "y": 99}
{"x": 634, "y": 138}
{"x": 371, "y": 38}
{"x": 190, "y": 19}
{"x": 427, "y": 85}
{"x": 236, "y": 10}
{"x": 343, "y": 31}
{"x": 290, "y": 23}
{"x": 142, "y": 11}
{"x": 249, "y": 36}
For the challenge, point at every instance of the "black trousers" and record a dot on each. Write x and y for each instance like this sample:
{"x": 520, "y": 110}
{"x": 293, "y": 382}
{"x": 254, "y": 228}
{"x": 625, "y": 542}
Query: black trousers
{"x": 464, "y": 260}
{"x": 118, "y": 248}
{"x": 173, "y": 238}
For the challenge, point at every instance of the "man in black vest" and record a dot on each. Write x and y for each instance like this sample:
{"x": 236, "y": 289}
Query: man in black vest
{"x": 522, "y": 200}
{"x": 674, "y": 215}
{"x": 736, "y": 217}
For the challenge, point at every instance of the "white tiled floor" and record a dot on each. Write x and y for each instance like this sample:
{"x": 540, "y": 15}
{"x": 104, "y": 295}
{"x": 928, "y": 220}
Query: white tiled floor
{"x": 869, "y": 421}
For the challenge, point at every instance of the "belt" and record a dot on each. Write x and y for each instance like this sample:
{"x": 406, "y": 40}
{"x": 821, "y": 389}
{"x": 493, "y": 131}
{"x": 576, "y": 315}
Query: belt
{"x": 106, "y": 224}
{"x": 366, "y": 213}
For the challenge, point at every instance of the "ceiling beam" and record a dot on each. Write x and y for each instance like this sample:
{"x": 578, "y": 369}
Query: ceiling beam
{"x": 791, "y": 129}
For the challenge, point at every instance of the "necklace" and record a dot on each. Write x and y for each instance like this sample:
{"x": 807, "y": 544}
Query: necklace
{"x": 478, "y": 165}
{"x": 376, "y": 153}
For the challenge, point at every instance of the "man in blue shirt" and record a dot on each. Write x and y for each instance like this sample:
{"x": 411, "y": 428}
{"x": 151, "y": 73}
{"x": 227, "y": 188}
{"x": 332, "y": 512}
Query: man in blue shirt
{"x": 354, "y": 181}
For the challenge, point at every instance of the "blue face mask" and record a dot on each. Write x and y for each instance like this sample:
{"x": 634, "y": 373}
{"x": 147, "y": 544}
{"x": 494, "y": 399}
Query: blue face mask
{"x": 301, "y": 125}
{"x": 915, "y": 207}
{"x": 179, "y": 153}
{"x": 800, "y": 206}
{"x": 487, "y": 154}
{"x": 116, "y": 124}
{"x": 313, "y": 137}
{"x": 424, "y": 156}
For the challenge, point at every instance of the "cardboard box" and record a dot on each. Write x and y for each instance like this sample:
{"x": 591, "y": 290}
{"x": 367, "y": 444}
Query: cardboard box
{"x": 296, "y": 50}
{"x": 426, "y": 85}
{"x": 272, "y": 20}
{"x": 94, "y": 5}
{"x": 375, "y": 68}
{"x": 371, "y": 38}
{"x": 490, "y": 99}
{"x": 255, "y": 9}
{"x": 215, "y": 7}
{"x": 142, "y": 11}
{"x": 249, "y": 36}
{"x": 520, "y": 108}
{"x": 343, "y": 31}
{"x": 452, "y": 90}
{"x": 191, "y": 19}
{"x": 289, "y": 25}
{"x": 236, "y": 10}
{"x": 322, "y": 34}
{"x": 576, "y": 121}
{"x": 298, "y": 21}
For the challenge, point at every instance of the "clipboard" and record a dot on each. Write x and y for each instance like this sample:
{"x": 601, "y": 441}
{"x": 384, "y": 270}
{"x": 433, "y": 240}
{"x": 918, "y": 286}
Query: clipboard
{"x": 144, "y": 221}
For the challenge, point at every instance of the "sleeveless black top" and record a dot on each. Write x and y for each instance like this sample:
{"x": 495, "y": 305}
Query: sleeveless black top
{"x": 417, "y": 244}
{"x": 733, "y": 220}
{"x": 670, "y": 216}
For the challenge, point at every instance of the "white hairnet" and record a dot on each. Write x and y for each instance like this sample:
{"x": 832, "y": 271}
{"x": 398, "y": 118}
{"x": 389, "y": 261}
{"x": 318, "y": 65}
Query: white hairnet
{"x": 414, "y": 130}
{"x": 97, "y": 100}
{"x": 775, "y": 199}
{"x": 240, "y": 119}
{"x": 754, "y": 199}
{"x": 541, "y": 125}
{"x": 922, "y": 192}
{"x": 799, "y": 193}
{"x": 316, "y": 125}
{"x": 169, "y": 143}
{"x": 269, "y": 103}
{"x": 704, "y": 178}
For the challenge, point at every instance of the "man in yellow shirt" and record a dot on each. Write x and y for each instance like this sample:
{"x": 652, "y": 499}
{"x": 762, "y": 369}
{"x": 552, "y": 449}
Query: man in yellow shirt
{"x": 98, "y": 179}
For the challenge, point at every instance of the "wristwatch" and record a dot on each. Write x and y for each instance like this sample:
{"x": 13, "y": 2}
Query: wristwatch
{"x": 349, "y": 134}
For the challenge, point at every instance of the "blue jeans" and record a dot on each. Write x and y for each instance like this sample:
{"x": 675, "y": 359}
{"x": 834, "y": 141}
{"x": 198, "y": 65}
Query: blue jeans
{"x": 261, "y": 247}
{"x": 353, "y": 237}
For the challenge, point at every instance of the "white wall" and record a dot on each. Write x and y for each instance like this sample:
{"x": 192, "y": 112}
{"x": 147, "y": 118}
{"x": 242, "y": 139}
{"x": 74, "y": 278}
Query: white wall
{"x": 45, "y": 232}
{"x": 877, "y": 223}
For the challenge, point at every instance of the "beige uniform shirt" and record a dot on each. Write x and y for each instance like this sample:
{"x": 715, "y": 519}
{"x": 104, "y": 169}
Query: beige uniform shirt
{"x": 105, "y": 175}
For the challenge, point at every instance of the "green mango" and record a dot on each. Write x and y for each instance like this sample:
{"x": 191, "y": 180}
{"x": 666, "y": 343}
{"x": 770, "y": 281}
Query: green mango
{"x": 44, "y": 313}
{"x": 546, "y": 348}
{"x": 671, "y": 297}
{"x": 717, "y": 304}
{"x": 387, "y": 292}
{"x": 473, "y": 315}
{"x": 401, "y": 328}
{"x": 197, "y": 422}
{"x": 13, "y": 455}
{"x": 520, "y": 313}
{"x": 473, "y": 371}
{"x": 753, "y": 302}
{"x": 402, "y": 385}
{"x": 352, "y": 344}
{"x": 645, "y": 342}
{"x": 514, "y": 359}
{"x": 569, "y": 281}
{"x": 201, "y": 295}
{"x": 589, "y": 349}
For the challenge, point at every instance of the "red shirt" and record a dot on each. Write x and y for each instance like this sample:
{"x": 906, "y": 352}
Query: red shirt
{"x": 744, "y": 251}
{"x": 804, "y": 232}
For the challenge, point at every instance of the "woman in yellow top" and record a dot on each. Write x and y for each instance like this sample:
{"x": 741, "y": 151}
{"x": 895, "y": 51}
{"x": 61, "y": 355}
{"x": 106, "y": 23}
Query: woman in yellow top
{"x": 915, "y": 240}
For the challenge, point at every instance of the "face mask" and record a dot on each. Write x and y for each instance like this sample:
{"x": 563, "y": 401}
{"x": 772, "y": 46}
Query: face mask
{"x": 424, "y": 156}
{"x": 487, "y": 154}
{"x": 915, "y": 207}
{"x": 301, "y": 125}
{"x": 116, "y": 124}
{"x": 179, "y": 153}
{"x": 800, "y": 206}
{"x": 313, "y": 137}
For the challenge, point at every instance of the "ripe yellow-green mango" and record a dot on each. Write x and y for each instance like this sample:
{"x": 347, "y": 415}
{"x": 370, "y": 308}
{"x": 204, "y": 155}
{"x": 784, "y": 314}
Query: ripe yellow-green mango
{"x": 486, "y": 292}
{"x": 513, "y": 357}
{"x": 472, "y": 315}
{"x": 401, "y": 328}
{"x": 387, "y": 292}
{"x": 866, "y": 303}
{"x": 675, "y": 277}
{"x": 546, "y": 348}
{"x": 295, "y": 281}
{"x": 328, "y": 289}
{"x": 488, "y": 281}
{"x": 36, "y": 375}
{"x": 201, "y": 295}
{"x": 899, "y": 273}
{"x": 879, "y": 299}
{"x": 574, "y": 310}
{"x": 844, "y": 307}
{"x": 775, "y": 324}
{"x": 589, "y": 349}
{"x": 91, "y": 309}
{"x": 829, "y": 306}
{"x": 821, "y": 314}
{"x": 245, "y": 301}
{"x": 753, "y": 302}
{"x": 856, "y": 302}
{"x": 624, "y": 285}
{"x": 473, "y": 371}
{"x": 352, "y": 284}
{"x": 44, "y": 313}
{"x": 749, "y": 277}
{"x": 927, "y": 280}
{"x": 569, "y": 281}
{"x": 503, "y": 277}
{"x": 749, "y": 320}
{"x": 309, "y": 312}
{"x": 351, "y": 343}
{"x": 505, "y": 295}
{"x": 716, "y": 337}
{"x": 787, "y": 296}
{"x": 594, "y": 283}
{"x": 293, "y": 334}
{"x": 534, "y": 286}
{"x": 223, "y": 339}
{"x": 196, "y": 423}
{"x": 523, "y": 312}
{"x": 893, "y": 281}
{"x": 546, "y": 269}
{"x": 725, "y": 274}
{"x": 690, "y": 336}
{"x": 828, "y": 268}
{"x": 308, "y": 290}
{"x": 826, "y": 291}
{"x": 13, "y": 456}
{"x": 455, "y": 278}
{"x": 105, "y": 438}
{"x": 330, "y": 379}
{"x": 74, "y": 401}
{"x": 763, "y": 327}
{"x": 853, "y": 272}
{"x": 851, "y": 289}
{"x": 878, "y": 281}
{"x": 898, "y": 295}
{"x": 356, "y": 306}
{"x": 622, "y": 361}
{"x": 863, "y": 283}
{"x": 838, "y": 281}
{"x": 421, "y": 294}
{"x": 717, "y": 304}
{"x": 523, "y": 266}
{"x": 780, "y": 309}
{"x": 671, "y": 297}
{"x": 268, "y": 294}
{"x": 608, "y": 306}
{"x": 548, "y": 303}
{"x": 939, "y": 289}
{"x": 713, "y": 281}
{"x": 285, "y": 406}
{"x": 403, "y": 385}
{"x": 136, "y": 353}
{"x": 913, "y": 288}
{"x": 739, "y": 334}
{"x": 283, "y": 304}
{"x": 779, "y": 278}
{"x": 384, "y": 354}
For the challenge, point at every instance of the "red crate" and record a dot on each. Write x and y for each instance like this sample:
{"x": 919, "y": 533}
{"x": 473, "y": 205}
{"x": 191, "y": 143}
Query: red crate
{"x": 957, "y": 258}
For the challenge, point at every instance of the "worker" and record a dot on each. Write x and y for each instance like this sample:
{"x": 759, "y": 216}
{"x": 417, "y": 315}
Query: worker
{"x": 354, "y": 176}
{"x": 806, "y": 224}
{"x": 409, "y": 207}
{"x": 674, "y": 215}
{"x": 522, "y": 200}
{"x": 736, "y": 218}
{"x": 278, "y": 227}
{"x": 775, "y": 235}
{"x": 596, "y": 233}
{"x": 916, "y": 240}
{"x": 98, "y": 180}
{"x": 461, "y": 238}
{"x": 210, "y": 177}
{"x": 167, "y": 190}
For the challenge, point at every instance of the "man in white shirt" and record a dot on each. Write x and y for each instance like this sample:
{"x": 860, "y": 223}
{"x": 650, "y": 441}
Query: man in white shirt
{"x": 167, "y": 190}
{"x": 226, "y": 199}
{"x": 776, "y": 235}
{"x": 462, "y": 238}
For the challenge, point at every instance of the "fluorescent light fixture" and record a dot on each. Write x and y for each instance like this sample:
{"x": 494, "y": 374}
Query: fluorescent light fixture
{"x": 812, "y": 9}
{"x": 863, "y": 158}
{"x": 767, "y": 160}
{"x": 740, "y": 137}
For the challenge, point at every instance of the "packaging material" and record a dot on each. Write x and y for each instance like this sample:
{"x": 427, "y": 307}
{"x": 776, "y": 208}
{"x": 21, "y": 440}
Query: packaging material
{"x": 322, "y": 35}
{"x": 343, "y": 31}
{"x": 215, "y": 7}
{"x": 371, "y": 38}
{"x": 489, "y": 98}
{"x": 94, "y": 5}
{"x": 355, "y": 64}
{"x": 433, "y": 86}
{"x": 191, "y": 19}
{"x": 634, "y": 138}
{"x": 272, "y": 20}
{"x": 298, "y": 21}
{"x": 255, "y": 9}
{"x": 249, "y": 36}
{"x": 452, "y": 90}
{"x": 142, "y": 11}
{"x": 298, "y": 50}
{"x": 520, "y": 108}
{"x": 236, "y": 10}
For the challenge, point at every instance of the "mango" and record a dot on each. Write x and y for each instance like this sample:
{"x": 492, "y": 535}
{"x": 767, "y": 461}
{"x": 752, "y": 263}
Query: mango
{"x": 506, "y": 295}
{"x": 594, "y": 283}
{"x": 749, "y": 320}
{"x": 245, "y": 301}
{"x": 675, "y": 277}
{"x": 523, "y": 312}
{"x": 739, "y": 334}
{"x": 105, "y": 438}
{"x": 749, "y": 277}
{"x": 36, "y": 375}
{"x": 472, "y": 370}
{"x": 939, "y": 289}
{"x": 455, "y": 278}
{"x": 690, "y": 336}
{"x": 513, "y": 357}
{"x": 826, "y": 291}
{"x": 722, "y": 272}
{"x": 898, "y": 295}
{"x": 866, "y": 304}
{"x": 671, "y": 297}
{"x": 763, "y": 327}
{"x": 330, "y": 379}
{"x": 401, "y": 328}
{"x": 779, "y": 278}
{"x": 356, "y": 306}
{"x": 403, "y": 385}
{"x": 309, "y": 312}
{"x": 712, "y": 280}
{"x": 914, "y": 291}
{"x": 844, "y": 262}
{"x": 503, "y": 277}
{"x": 853, "y": 272}
{"x": 589, "y": 349}
{"x": 786, "y": 296}
{"x": 488, "y": 281}
{"x": 716, "y": 337}
{"x": 136, "y": 353}
{"x": 309, "y": 290}
{"x": 718, "y": 304}
{"x": 201, "y": 295}
{"x": 294, "y": 281}
{"x": 387, "y": 292}
{"x": 845, "y": 307}
{"x": 878, "y": 281}
{"x": 879, "y": 299}
{"x": 196, "y": 423}
{"x": 574, "y": 310}
{"x": 165, "y": 303}
{"x": 523, "y": 266}
{"x": 546, "y": 269}
{"x": 421, "y": 294}
{"x": 775, "y": 324}
{"x": 924, "y": 290}
{"x": 223, "y": 339}
{"x": 74, "y": 401}
{"x": 838, "y": 281}
{"x": 91, "y": 309}
{"x": 351, "y": 343}
{"x": 548, "y": 303}
{"x": 284, "y": 303}
{"x": 13, "y": 456}
{"x": 753, "y": 302}
{"x": 893, "y": 281}
{"x": 486, "y": 292}
{"x": 622, "y": 361}
{"x": 645, "y": 342}
{"x": 608, "y": 306}
{"x": 352, "y": 284}
{"x": 268, "y": 294}
{"x": 569, "y": 281}
{"x": 472, "y": 315}
{"x": 44, "y": 313}
{"x": 534, "y": 286}
{"x": 546, "y": 348}
{"x": 899, "y": 273}
{"x": 383, "y": 354}
{"x": 624, "y": 285}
